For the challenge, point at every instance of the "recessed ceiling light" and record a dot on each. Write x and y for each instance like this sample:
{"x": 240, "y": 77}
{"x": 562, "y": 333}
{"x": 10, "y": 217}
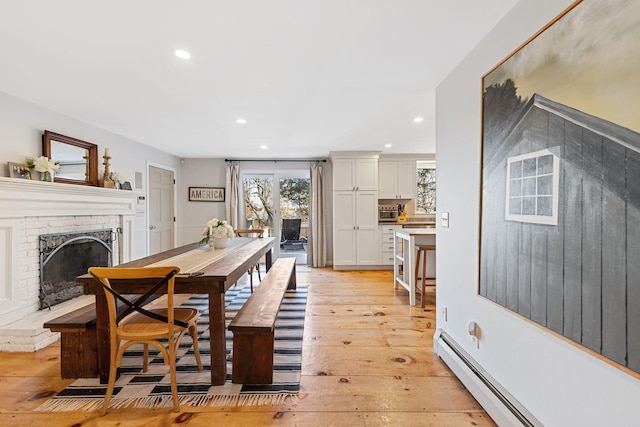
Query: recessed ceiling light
{"x": 387, "y": 146}
{"x": 263, "y": 147}
{"x": 418, "y": 119}
{"x": 182, "y": 54}
{"x": 241, "y": 121}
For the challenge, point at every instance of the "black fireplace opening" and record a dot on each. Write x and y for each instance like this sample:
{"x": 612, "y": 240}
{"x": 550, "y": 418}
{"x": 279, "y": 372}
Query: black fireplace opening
{"x": 65, "y": 256}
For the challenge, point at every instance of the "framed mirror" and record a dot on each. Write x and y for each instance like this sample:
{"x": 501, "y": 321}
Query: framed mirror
{"x": 78, "y": 159}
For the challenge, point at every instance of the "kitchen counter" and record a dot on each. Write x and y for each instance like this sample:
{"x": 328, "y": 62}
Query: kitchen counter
{"x": 411, "y": 224}
{"x": 418, "y": 224}
{"x": 404, "y": 265}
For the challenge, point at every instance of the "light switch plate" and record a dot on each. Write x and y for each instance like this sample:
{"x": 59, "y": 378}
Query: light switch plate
{"x": 445, "y": 219}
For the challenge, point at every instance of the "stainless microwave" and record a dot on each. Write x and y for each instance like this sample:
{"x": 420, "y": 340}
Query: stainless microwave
{"x": 387, "y": 213}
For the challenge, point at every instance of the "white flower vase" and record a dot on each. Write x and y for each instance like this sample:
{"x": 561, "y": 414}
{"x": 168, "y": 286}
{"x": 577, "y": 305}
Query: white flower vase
{"x": 220, "y": 242}
{"x": 47, "y": 176}
{"x": 211, "y": 246}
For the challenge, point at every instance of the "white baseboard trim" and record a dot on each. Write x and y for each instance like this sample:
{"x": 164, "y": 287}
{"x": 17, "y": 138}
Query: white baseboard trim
{"x": 496, "y": 401}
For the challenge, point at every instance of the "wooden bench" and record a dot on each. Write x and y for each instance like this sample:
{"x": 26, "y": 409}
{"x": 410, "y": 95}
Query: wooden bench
{"x": 78, "y": 341}
{"x": 253, "y": 326}
{"x": 78, "y": 346}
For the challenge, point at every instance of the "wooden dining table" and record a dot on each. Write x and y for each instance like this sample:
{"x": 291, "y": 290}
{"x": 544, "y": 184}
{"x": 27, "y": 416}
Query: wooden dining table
{"x": 220, "y": 269}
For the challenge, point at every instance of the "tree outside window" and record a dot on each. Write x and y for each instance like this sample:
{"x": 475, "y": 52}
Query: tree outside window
{"x": 294, "y": 198}
{"x": 258, "y": 198}
{"x": 426, "y": 200}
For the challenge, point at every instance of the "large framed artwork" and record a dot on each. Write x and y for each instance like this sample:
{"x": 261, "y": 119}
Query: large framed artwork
{"x": 560, "y": 214}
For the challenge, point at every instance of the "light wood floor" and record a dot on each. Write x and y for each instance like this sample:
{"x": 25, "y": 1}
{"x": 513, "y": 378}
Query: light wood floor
{"x": 367, "y": 361}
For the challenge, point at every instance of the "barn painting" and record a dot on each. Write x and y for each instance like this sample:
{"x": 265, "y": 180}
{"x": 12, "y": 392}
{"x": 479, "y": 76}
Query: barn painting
{"x": 560, "y": 224}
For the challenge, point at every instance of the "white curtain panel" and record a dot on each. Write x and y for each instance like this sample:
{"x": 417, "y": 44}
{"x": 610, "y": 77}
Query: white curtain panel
{"x": 317, "y": 239}
{"x": 234, "y": 195}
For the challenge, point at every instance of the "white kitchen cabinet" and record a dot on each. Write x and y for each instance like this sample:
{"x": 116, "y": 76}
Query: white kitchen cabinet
{"x": 355, "y": 237}
{"x": 352, "y": 174}
{"x": 387, "y": 236}
{"x": 397, "y": 179}
{"x": 355, "y": 209}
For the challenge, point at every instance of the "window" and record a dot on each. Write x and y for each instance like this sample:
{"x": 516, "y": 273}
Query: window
{"x": 532, "y": 188}
{"x": 426, "y": 200}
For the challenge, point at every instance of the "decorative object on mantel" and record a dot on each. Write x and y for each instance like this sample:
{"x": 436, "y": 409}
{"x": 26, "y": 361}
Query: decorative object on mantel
{"x": 117, "y": 179}
{"x": 126, "y": 185}
{"x": 19, "y": 170}
{"x": 106, "y": 177}
{"x": 217, "y": 233}
{"x": 46, "y": 166}
{"x": 78, "y": 159}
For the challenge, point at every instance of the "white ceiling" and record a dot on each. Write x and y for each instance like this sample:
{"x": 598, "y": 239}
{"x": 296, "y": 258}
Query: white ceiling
{"x": 308, "y": 76}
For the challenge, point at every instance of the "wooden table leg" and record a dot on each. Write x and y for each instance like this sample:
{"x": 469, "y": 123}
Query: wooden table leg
{"x": 268, "y": 259}
{"x": 102, "y": 338}
{"x": 218, "y": 340}
{"x": 292, "y": 280}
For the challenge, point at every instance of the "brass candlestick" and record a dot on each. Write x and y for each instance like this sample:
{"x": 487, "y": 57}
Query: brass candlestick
{"x": 106, "y": 181}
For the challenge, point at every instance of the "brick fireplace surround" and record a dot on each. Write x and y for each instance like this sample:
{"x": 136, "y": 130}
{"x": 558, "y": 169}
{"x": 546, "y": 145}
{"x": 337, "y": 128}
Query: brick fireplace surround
{"x": 29, "y": 209}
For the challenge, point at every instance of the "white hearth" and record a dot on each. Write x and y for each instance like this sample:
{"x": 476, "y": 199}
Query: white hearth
{"x": 29, "y": 209}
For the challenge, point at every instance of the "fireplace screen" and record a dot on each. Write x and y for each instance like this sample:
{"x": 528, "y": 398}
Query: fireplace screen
{"x": 65, "y": 256}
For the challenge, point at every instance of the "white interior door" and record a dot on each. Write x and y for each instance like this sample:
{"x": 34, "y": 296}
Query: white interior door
{"x": 161, "y": 210}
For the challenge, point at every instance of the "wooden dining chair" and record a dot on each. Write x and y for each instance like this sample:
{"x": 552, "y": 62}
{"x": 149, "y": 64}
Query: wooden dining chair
{"x": 257, "y": 233}
{"x": 138, "y": 325}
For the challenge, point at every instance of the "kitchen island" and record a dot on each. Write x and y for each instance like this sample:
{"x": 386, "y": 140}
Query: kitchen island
{"x": 404, "y": 264}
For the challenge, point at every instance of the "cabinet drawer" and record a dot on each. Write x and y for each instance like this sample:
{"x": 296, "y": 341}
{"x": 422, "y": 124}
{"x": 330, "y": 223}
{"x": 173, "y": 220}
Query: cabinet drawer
{"x": 387, "y": 258}
{"x": 387, "y": 238}
{"x": 387, "y": 246}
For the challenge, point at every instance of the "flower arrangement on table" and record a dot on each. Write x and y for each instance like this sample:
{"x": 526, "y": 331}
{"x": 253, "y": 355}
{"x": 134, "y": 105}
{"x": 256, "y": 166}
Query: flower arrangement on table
{"x": 44, "y": 165}
{"x": 216, "y": 229}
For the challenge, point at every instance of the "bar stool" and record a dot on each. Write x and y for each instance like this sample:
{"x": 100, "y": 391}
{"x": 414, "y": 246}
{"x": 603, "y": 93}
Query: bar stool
{"x": 422, "y": 256}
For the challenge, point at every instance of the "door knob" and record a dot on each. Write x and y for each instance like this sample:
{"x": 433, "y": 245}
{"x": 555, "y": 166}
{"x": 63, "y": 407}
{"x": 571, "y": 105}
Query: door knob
{"x": 152, "y": 227}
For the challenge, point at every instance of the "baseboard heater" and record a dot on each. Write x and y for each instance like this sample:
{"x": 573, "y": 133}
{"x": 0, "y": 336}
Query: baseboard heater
{"x": 499, "y": 404}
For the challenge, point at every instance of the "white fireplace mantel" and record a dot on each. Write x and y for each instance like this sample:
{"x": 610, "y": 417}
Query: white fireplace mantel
{"x": 21, "y": 198}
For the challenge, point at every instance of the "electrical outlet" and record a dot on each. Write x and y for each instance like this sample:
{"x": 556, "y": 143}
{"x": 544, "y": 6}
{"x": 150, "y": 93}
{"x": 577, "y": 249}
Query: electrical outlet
{"x": 444, "y": 313}
{"x": 475, "y": 342}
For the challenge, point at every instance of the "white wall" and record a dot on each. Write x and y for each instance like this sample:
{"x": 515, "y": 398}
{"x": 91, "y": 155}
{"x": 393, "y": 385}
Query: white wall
{"x": 23, "y": 124}
{"x": 561, "y": 384}
{"x": 192, "y": 216}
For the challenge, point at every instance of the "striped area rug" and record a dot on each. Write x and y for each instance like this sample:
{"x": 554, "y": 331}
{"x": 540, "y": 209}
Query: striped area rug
{"x": 152, "y": 389}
